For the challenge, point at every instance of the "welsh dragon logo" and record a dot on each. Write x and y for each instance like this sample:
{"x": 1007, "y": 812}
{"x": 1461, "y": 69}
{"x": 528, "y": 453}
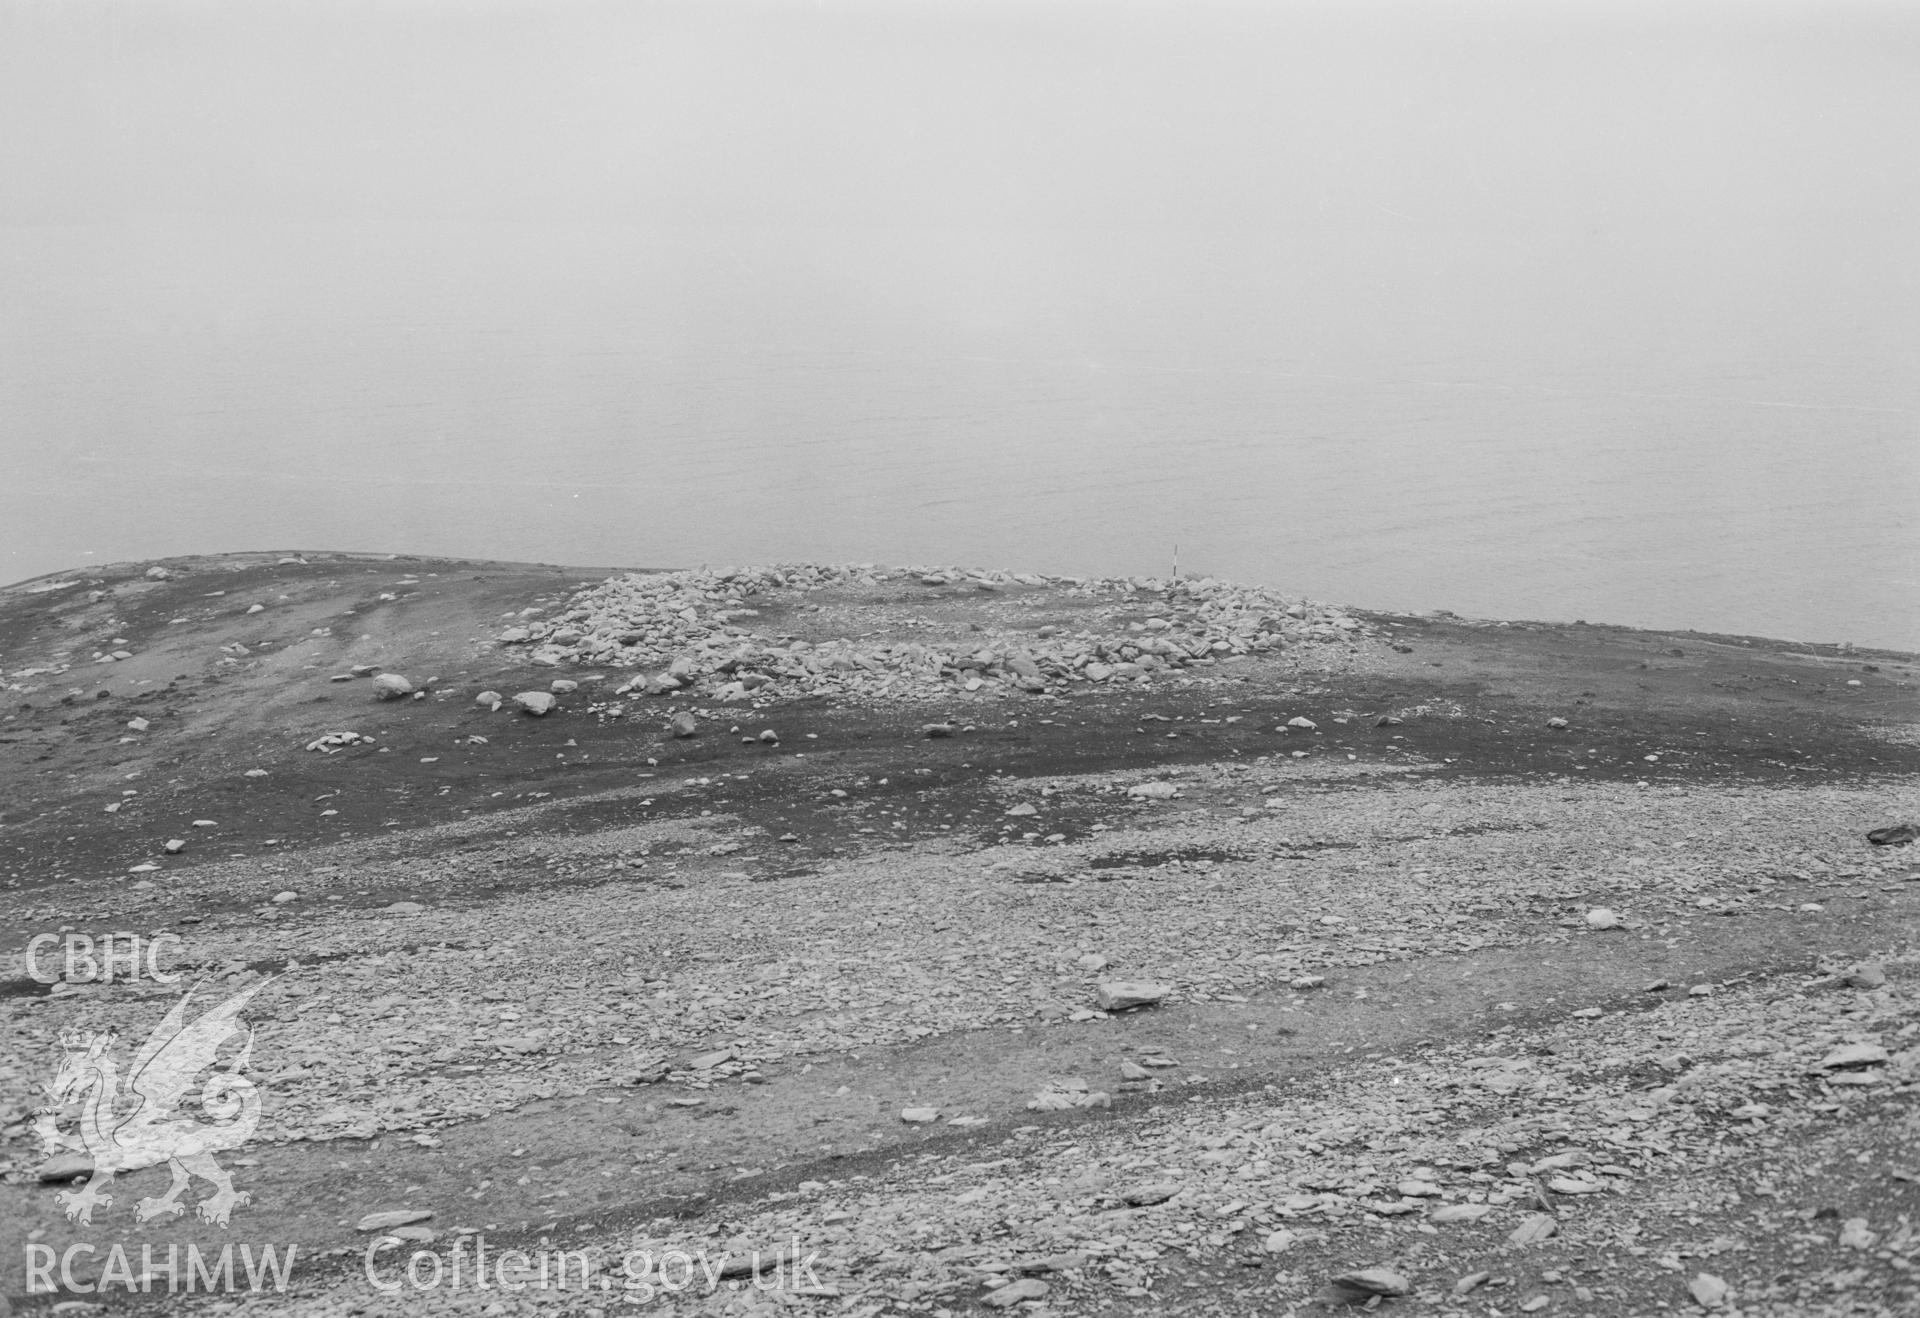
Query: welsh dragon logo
{"x": 124, "y": 1127}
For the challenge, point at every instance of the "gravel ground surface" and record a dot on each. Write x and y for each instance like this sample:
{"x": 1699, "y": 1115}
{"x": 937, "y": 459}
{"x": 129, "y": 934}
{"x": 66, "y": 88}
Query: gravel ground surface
{"x": 1493, "y": 969}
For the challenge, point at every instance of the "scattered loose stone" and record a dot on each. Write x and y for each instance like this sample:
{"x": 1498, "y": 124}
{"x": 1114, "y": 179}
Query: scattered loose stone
{"x": 1304, "y": 982}
{"x": 1153, "y": 791}
{"x": 1065, "y": 1095}
{"x": 1852, "y": 1055}
{"x": 919, "y": 1116}
{"x": 64, "y": 1167}
{"x": 1016, "y": 1292}
{"x": 536, "y": 703}
{"x": 1568, "y": 1185}
{"x": 1459, "y": 1213}
{"x": 391, "y": 686}
{"x": 1124, "y": 995}
{"x": 1899, "y": 835}
{"x": 1603, "y": 917}
{"x": 1867, "y": 975}
{"x": 1708, "y": 1291}
{"x": 1374, "y": 1281}
{"x": 491, "y": 699}
{"x": 393, "y": 1218}
{"x": 1532, "y": 1230}
{"x": 1053, "y": 1263}
{"x": 684, "y": 725}
{"x": 1560, "y": 1161}
{"x": 937, "y": 729}
{"x": 334, "y": 741}
{"x": 1158, "y": 1192}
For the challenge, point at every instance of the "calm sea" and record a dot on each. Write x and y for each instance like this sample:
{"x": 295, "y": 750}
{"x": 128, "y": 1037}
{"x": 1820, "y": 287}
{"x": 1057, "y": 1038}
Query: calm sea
{"x": 1530, "y": 424}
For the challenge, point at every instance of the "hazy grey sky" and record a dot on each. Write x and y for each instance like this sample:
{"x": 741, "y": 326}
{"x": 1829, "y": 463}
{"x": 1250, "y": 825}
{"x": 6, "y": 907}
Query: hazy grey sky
{"x": 905, "y": 113}
{"x": 1045, "y": 284}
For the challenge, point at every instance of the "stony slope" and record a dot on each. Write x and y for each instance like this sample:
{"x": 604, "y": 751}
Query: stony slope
{"x": 577, "y": 978}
